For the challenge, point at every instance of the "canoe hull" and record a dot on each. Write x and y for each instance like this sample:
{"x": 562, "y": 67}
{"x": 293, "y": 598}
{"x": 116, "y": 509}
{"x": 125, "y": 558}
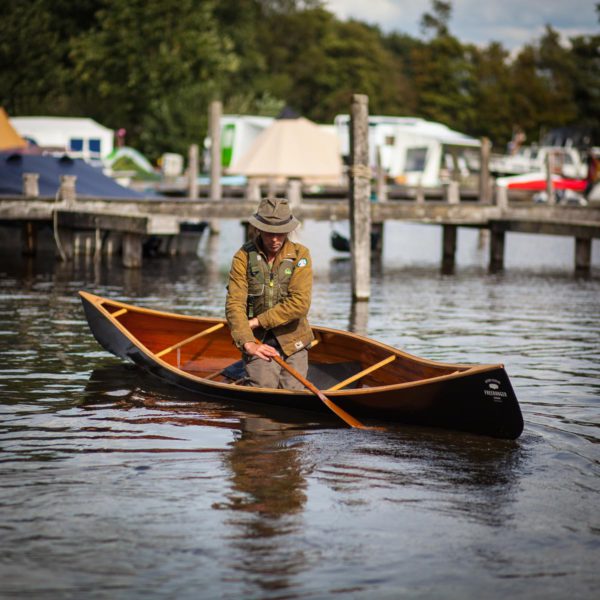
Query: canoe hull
{"x": 481, "y": 402}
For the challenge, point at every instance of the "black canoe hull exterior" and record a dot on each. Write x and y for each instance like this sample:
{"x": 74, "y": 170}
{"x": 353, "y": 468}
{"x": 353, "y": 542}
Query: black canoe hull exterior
{"x": 482, "y": 402}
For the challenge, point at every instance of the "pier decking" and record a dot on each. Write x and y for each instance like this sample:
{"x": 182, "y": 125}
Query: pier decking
{"x": 136, "y": 219}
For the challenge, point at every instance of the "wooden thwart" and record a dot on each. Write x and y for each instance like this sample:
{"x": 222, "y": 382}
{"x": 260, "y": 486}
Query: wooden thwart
{"x": 118, "y": 313}
{"x": 190, "y": 339}
{"x": 342, "y": 384}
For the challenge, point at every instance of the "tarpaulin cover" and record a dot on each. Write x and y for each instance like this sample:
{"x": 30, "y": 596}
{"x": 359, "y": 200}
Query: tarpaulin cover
{"x": 90, "y": 180}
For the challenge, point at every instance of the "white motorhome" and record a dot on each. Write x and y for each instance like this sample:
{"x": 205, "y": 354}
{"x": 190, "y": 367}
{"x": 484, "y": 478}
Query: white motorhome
{"x": 238, "y": 133}
{"x": 414, "y": 151}
{"x": 77, "y": 137}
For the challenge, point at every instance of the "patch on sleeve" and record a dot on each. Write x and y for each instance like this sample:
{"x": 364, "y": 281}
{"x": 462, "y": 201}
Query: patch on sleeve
{"x": 302, "y": 262}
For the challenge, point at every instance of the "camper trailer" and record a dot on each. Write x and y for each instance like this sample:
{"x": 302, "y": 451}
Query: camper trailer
{"x": 238, "y": 133}
{"x": 414, "y": 151}
{"x": 77, "y": 137}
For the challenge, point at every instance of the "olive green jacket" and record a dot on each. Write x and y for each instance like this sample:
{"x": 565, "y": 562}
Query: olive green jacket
{"x": 287, "y": 319}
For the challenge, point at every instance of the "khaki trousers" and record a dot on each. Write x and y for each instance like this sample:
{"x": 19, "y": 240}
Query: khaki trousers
{"x": 268, "y": 374}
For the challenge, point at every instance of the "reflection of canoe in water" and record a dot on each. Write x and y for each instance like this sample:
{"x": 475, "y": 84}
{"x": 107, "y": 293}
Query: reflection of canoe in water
{"x": 362, "y": 376}
{"x": 342, "y": 243}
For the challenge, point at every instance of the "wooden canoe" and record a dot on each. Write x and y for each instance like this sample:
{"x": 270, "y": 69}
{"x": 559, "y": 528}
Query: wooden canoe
{"x": 364, "y": 377}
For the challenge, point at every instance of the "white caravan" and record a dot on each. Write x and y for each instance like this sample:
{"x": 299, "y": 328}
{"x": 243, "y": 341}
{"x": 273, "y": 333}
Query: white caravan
{"x": 414, "y": 151}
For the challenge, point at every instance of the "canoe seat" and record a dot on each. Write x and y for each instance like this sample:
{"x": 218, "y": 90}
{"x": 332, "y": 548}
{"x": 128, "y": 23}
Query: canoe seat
{"x": 323, "y": 375}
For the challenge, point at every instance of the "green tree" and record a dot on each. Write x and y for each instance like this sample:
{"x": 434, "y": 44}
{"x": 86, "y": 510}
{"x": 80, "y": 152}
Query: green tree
{"x": 152, "y": 67}
{"x": 492, "y": 93}
{"x": 443, "y": 72}
{"x": 31, "y": 71}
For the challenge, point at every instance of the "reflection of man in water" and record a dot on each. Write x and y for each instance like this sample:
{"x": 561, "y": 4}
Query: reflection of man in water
{"x": 268, "y": 297}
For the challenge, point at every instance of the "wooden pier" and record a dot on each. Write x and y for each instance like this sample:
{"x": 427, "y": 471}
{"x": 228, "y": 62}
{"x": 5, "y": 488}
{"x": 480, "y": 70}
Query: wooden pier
{"x": 135, "y": 220}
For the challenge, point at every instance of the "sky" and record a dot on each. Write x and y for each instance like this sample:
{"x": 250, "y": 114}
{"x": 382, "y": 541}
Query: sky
{"x": 514, "y": 23}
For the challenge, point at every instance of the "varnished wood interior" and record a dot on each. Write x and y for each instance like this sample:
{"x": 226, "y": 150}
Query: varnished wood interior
{"x": 213, "y": 352}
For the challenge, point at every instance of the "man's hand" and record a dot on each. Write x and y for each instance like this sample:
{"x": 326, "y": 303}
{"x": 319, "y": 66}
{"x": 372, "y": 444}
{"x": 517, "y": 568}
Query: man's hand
{"x": 253, "y": 323}
{"x": 263, "y": 351}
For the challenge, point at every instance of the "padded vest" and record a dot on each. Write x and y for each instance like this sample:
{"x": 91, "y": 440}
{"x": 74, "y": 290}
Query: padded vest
{"x": 266, "y": 288}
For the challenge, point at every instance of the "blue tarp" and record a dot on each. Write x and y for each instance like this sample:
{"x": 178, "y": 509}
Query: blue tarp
{"x": 90, "y": 180}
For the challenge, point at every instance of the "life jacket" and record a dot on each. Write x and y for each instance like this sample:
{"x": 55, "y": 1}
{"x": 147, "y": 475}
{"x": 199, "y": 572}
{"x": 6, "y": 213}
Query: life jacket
{"x": 267, "y": 286}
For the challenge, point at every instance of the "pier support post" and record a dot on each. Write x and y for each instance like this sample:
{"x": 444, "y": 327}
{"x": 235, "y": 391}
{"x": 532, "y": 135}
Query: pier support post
{"x": 382, "y": 191}
{"x": 377, "y": 230}
{"x": 502, "y": 197}
{"x": 216, "y": 192}
{"x": 66, "y": 190}
{"x": 253, "y": 190}
{"x": 485, "y": 188}
{"x": 132, "y": 250}
{"x": 448, "y": 248}
{"x": 360, "y": 191}
{"x": 29, "y": 239}
{"x": 31, "y": 187}
{"x": 453, "y": 192}
{"x": 549, "y": 183}
{"x": 497, "y": 250}
{"x": 193, "y": 171}
{"x": 583, "y": 256}
{"x": 294, "y": 194}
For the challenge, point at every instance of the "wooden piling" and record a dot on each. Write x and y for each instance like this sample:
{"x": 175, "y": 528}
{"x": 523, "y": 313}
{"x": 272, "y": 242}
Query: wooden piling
{"x": 294, "y": 193}
{"x": 193, "y": 171}
{"x": 583, "y": 256}
{"x": 382, "y": 190}
{"x": 549, "y": 183}
{"x": 132, "y": 250}
{"x": 360, "y": 191}
{"x": 216, "y": 192}
{"x": 448, "y": 248}
{"x": 501, "y": 197}
{"x": 66, "y": 190}
{"x": 485, "y": 188}
{"x": 497, "y": 250}
{"x": 453, "y": 192}
{"x": 31, "y": 187}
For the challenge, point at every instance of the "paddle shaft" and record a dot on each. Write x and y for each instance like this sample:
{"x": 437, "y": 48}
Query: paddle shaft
{"x": 340, "y": 412}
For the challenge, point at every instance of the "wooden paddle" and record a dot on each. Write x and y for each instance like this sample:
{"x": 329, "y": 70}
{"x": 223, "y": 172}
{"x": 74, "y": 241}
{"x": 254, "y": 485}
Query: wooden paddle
{"x": 340, "y": 412}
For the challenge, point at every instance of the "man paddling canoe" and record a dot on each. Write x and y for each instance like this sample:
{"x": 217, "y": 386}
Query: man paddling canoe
{"x": 268, "y": 297}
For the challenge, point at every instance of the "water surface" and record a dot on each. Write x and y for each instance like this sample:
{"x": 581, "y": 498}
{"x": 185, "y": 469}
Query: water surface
{"x": 114, "y": 485}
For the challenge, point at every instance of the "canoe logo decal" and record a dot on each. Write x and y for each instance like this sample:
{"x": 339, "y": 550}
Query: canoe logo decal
{"x": 493, "y": 390}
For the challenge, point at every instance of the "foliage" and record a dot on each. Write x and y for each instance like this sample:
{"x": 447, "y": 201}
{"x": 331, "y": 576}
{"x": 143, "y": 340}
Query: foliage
{"x": 153, "y": 66}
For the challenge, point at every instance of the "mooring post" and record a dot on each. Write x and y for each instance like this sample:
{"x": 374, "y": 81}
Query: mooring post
{"x": 496, "y": 250}
{"x": 453, "y": 192}
{"x": 31, "y": 190}
{"x": 583, "y": 256}
{"x": 485, "y": 188}
{"x": 382, "y": 190}
{"x": 65, "y": 236}
{"x": 377, "y": 230}
{"x": 549, "y": 182}
{"x": 132, "y": 250}
{"x": 448, "y": 248}
{"x": 360, "y": 191}
{"x": 31, "y": 186}
{"x": 294, "y": 194}
{"x": 216, "y": 191}
{"x": 193, "y": 171}
{"x": 501, "y": 197}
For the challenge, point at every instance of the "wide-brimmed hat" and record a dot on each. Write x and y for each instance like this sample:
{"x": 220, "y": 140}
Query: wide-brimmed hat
{"x": 274, "y": 216}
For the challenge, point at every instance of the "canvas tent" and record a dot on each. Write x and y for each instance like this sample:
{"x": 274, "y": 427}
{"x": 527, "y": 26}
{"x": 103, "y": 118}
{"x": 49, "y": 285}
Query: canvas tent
{"x": 292, "y": 148}
{"x": 9, "y": 138}
{"x": 90, "y": 181}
